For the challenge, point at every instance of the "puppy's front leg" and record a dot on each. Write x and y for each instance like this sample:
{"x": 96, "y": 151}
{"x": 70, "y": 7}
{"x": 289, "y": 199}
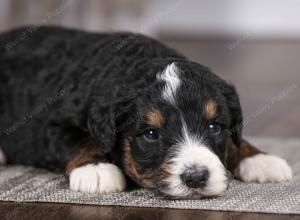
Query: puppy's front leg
{"x": 90, "y": 171}
{"x": 252, "y": 165}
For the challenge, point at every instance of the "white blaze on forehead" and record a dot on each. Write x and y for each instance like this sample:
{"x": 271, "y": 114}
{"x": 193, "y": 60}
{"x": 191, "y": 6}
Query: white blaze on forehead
{"x": 171, "y": 78}
{"x": 193, "y": 153}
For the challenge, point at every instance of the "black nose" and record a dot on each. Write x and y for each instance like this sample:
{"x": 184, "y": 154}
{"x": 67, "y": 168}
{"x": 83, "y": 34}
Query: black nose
{"x": 195, "y": 179}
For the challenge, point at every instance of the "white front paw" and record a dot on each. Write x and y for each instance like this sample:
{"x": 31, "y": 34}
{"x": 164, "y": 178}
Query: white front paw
{"x": 101, "y": 177}
{"x": 264, "y": 168}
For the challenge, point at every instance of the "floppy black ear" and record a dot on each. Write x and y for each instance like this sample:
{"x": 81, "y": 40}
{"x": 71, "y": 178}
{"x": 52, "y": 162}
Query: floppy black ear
{"x": 101, "y": 125}
{"x": 105, "y": 119}
{"x": 235, "y": 109}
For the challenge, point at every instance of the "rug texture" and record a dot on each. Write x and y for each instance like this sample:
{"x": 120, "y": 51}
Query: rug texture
{"x": 26, "y": 184}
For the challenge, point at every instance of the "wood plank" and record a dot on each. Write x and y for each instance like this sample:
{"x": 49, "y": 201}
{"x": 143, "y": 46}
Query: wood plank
{"x": 32, "y": 211}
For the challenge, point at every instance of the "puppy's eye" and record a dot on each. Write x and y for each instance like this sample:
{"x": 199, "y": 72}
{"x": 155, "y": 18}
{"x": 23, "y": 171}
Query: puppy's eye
{"x": 214, "y": 129}
{"x": 151, "y": 135}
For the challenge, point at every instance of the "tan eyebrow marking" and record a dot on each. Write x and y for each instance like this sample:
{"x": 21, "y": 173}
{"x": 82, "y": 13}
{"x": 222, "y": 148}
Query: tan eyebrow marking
{"x": 155, "y": 118}
{"x": 210, "y": 109}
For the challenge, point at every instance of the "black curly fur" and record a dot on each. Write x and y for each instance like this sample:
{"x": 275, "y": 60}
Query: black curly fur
{"x": 59, "y": 86}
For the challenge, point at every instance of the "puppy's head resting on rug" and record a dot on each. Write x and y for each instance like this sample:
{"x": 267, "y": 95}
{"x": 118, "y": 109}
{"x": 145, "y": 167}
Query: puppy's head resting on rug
{"x": 181, "y": 128}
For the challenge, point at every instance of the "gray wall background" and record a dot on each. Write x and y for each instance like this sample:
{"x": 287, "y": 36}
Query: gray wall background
{"x": 258, "y": 18}
{"x": 252, "y": 43}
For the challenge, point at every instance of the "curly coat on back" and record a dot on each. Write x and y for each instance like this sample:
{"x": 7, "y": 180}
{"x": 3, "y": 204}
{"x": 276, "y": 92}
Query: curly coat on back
{"x": 59, "y": 85}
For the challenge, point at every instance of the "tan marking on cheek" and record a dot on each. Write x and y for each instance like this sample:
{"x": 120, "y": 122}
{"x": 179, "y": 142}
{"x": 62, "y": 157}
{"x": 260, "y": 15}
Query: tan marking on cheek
{"x": 148, "y": 179}
{"x": 132, "y": 168}
{"x": 155, "y": 118}
{"x": 232, "y": 155}
{"x": 210, "y": 109}
{"x": 89, "y": 153}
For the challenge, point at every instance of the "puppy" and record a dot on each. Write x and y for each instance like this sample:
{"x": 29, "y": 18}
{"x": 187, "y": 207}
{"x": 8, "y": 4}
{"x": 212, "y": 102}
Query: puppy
{"x": 112, "y": 108}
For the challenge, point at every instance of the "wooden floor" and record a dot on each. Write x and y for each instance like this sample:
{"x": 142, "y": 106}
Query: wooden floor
{"x": 266, "y": 74}
{"x": 45, "y": 211}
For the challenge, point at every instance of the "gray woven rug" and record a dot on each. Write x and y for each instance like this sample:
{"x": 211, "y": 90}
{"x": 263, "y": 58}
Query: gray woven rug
{"x": 26, "y": 184}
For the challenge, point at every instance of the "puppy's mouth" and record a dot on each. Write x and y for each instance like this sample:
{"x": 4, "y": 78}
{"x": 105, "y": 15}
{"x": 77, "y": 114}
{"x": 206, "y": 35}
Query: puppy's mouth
{"x": 195, "y": 173}
{"x": 195, "y": 185}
